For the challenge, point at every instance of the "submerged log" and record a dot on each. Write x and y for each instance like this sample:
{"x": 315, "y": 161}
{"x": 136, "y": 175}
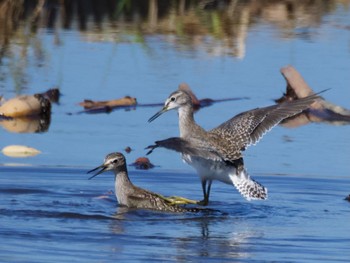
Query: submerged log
{"x": 320, "y": 111}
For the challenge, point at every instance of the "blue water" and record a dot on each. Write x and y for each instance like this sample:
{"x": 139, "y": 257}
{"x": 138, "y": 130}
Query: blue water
{"x": 55, "y": 214}
{"x": 50, "y": 212}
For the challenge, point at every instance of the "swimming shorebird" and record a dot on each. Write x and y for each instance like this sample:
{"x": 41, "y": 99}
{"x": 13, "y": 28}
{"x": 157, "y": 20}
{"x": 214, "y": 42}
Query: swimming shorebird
{"x": 132, "y": 196}
{"x": 217, "y": 154}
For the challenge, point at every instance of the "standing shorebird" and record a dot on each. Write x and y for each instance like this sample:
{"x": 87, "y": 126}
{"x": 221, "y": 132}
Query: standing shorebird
{"x": 217, "y": 154}
{"x": 132, "y": 196}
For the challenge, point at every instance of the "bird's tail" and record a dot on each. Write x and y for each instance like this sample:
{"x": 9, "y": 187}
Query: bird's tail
{"x": 248, "y": 188}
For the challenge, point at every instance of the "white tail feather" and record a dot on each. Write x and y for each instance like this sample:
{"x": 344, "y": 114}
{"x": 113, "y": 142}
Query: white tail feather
{"x": 248, "y": 188}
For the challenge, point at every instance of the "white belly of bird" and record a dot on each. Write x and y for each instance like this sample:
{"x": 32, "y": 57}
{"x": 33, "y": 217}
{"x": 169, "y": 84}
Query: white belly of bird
{"x": 216, "y": 170}
{"x": 211, "y": 170}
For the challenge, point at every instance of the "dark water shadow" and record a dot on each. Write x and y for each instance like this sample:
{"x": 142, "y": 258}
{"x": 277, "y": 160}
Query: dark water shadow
{"x": 31, "y": 213}
{"x": 108, "y": 109}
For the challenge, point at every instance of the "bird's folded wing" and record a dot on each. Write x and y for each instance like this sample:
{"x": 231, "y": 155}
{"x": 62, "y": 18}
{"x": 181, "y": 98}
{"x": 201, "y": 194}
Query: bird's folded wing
{"x": 140, "y": 194}
{"x": 137, "y": 197}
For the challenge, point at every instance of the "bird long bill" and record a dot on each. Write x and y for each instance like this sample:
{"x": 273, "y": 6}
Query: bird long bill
{"x": 102, "y": 167}
{"x": 155, "y": 116}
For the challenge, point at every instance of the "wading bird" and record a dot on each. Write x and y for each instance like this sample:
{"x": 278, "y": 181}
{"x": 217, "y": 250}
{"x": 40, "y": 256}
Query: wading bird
{"x": 217, "y": 154}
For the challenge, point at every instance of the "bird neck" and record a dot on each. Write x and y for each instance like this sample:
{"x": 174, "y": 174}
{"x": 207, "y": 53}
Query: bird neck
{"x": 122, "y": 184}
{"x": 187, "y": 124}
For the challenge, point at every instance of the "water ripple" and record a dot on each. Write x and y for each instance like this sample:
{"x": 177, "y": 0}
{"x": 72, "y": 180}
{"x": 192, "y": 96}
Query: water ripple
{"x": 17, "y": 191}
{"x": 26, "y": 213}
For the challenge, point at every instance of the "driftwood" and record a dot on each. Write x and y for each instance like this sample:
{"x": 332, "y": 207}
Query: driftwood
{"x": 320, "y": 111}
{"x": 128, "y": 102}
{"x": 122, "y": 102}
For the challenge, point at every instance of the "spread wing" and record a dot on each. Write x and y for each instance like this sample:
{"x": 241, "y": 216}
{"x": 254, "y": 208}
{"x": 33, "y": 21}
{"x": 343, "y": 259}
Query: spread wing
{"x": 248, "y": 128}
{"x": 196, "y": 147}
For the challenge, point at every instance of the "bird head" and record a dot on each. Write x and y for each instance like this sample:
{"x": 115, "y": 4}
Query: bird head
{"x": 112, "y": 161}
{"x": 175, "y": 100}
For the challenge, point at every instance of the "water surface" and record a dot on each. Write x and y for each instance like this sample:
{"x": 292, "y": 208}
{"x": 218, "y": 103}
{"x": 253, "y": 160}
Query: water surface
{"x": 50, "y": 212}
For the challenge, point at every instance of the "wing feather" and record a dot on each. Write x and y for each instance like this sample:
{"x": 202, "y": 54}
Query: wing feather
{"x": 194, "y": 148}
{"x": 227, "y": 141}
{"x": 249, "y": 127}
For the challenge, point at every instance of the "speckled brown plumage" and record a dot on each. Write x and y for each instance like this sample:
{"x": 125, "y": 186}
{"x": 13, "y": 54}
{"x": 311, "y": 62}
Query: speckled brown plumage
{"x": 217, "y": 154}
{"x": 132, "y": 196}
{"x": 248, "y": 128}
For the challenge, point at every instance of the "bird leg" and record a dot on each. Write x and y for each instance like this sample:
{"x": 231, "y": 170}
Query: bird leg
{"x": 206, "y": 192}
{"x": 179, "y": 200}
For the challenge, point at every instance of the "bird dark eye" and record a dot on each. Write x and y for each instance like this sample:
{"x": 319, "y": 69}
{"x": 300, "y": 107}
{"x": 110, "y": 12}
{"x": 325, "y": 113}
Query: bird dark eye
{"x": 115, "y": 161}
{"x": 172, "y": 99}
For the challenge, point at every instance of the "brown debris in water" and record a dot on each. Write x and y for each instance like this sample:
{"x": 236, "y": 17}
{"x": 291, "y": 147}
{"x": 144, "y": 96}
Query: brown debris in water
{"x": 128, "y": 149}
{"x": 200, "y": 103}
{"x": 28, "y": 113}
{"x": 26, "y": 105}
{"x": 319, "y": 111}
{"x": 94, "y": 107}
{"x": 52, "y": 95}
{"x": 122, "y": 102}
{"x": 347, "y": 198}
{"x": 142, "y": 163}
{"x": 185, "y": 87}
{"x": 196, "y": 102}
